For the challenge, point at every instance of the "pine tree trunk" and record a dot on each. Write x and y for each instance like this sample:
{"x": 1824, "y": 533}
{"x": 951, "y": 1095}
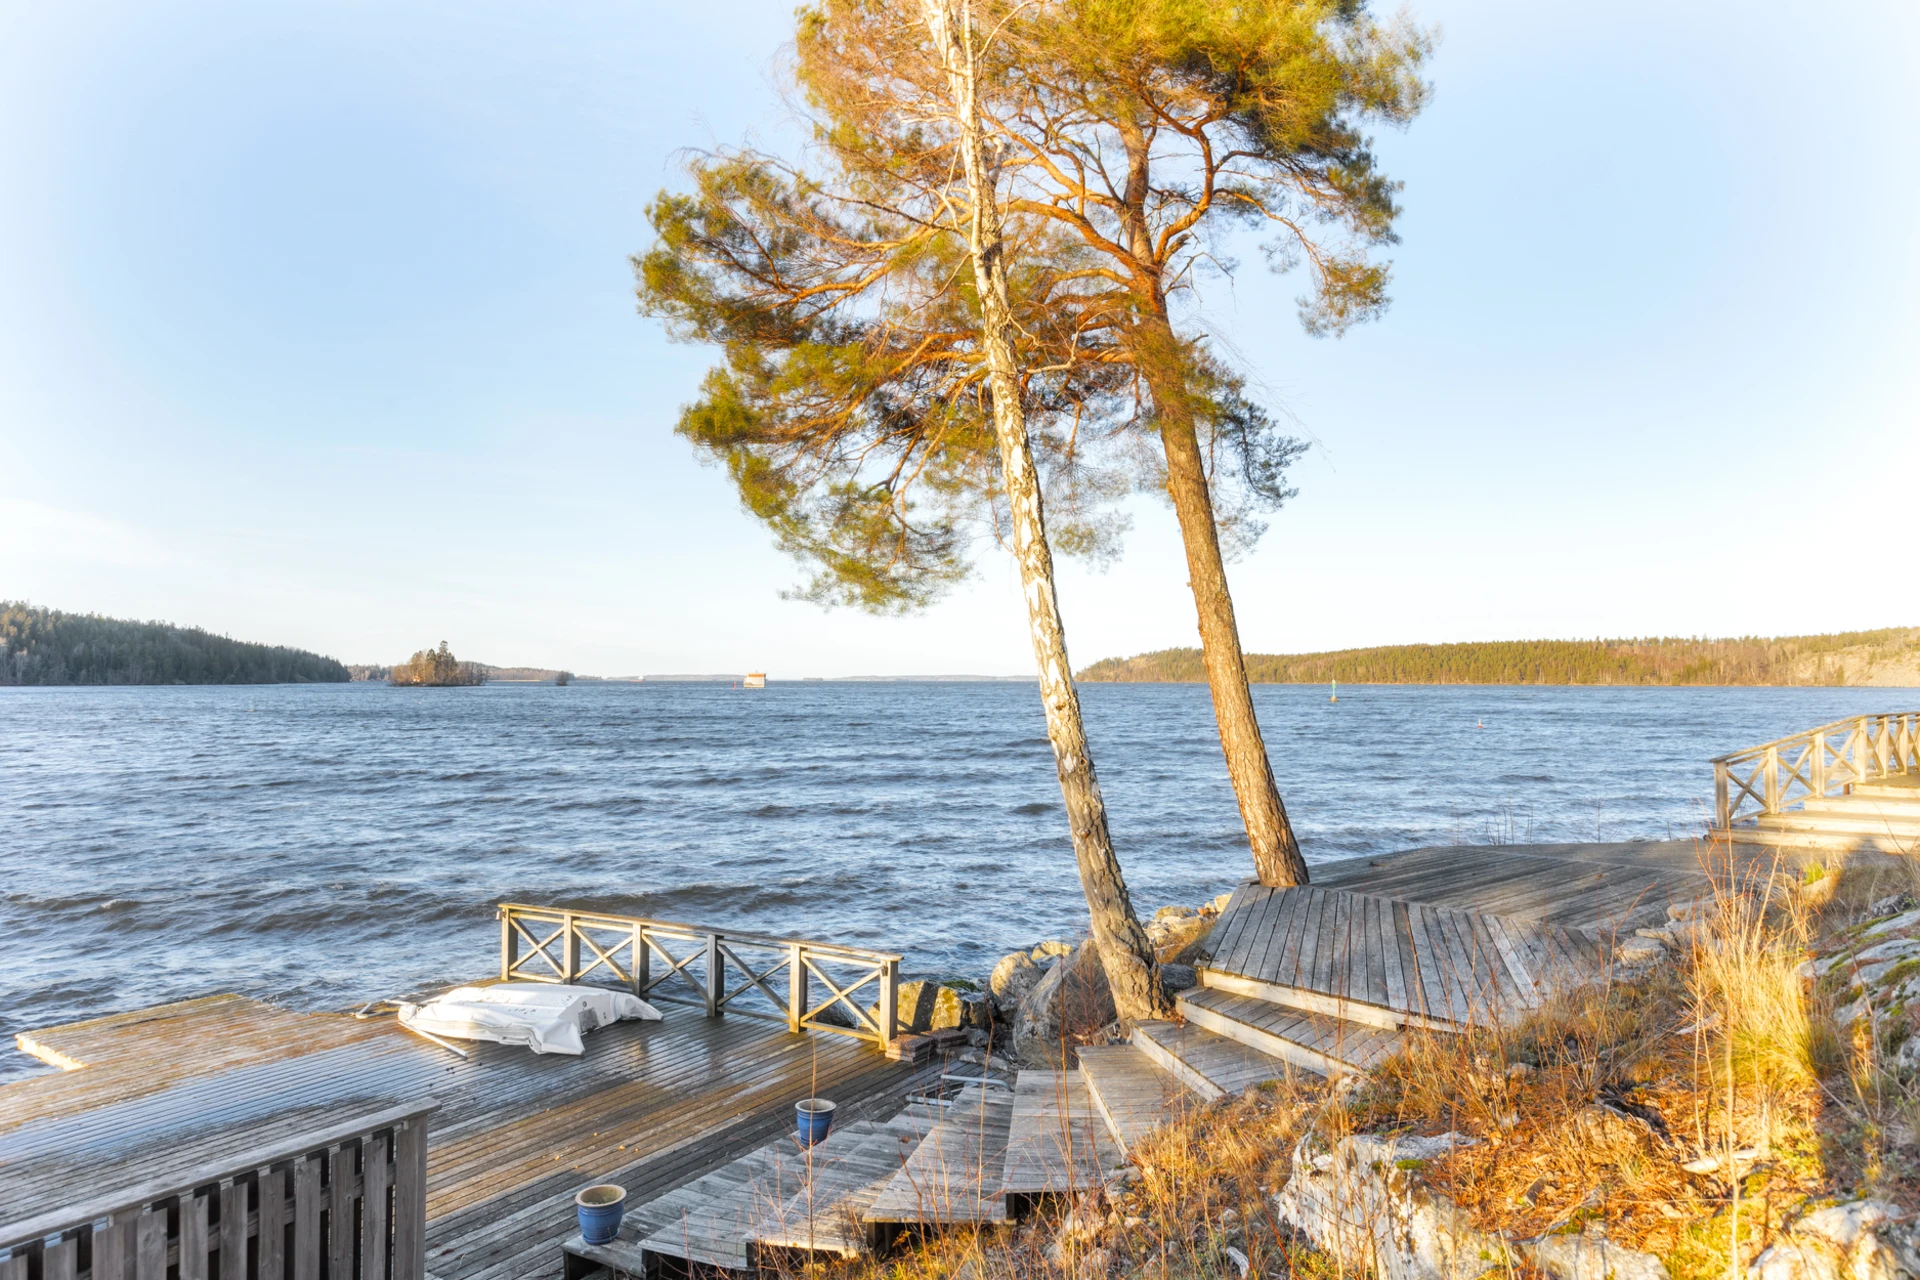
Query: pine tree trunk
{"x": 1276, "y": 853}
{"x": 1125, "y": 952}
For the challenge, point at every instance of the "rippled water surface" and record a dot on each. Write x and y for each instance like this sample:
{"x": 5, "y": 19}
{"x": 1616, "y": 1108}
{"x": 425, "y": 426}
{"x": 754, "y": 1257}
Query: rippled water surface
{"x": 328, "y": 844}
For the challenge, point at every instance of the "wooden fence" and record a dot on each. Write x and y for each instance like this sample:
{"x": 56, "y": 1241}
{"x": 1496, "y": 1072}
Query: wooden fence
{"x": 344, "y": 1202}
{"x": 1818, "y": 762}
{"x": 740, "y": 972}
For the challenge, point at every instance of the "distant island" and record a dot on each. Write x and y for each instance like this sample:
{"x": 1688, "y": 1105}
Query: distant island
{"x": 48, "y": 647}
{"x": 1887, "y": 657}
{"x": 438, "y": 669}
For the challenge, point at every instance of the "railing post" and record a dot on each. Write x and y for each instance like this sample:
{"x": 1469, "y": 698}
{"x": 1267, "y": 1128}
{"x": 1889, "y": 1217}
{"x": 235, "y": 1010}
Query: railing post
{"x": 506, "y": 943}
{"x": 797, "y": 997}
{"x": 1819, "y": 771}
{"x": 716, "y": 976}
{"x": 1773, "y": 779}
{"x": 1861, "y": 740}
{"x": 638, "y": 970}
{"x": 569, "y": 948}
{"x": 889, "y": 1001}
{"x": 1725, "y": 819}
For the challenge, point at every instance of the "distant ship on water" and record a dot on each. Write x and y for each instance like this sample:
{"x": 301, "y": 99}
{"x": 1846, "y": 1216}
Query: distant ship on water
{"x": 754, "y": 680}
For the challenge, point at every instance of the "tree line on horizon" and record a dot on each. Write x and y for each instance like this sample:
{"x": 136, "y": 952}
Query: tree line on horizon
{"x": 1661, "y": 660}
{"x": 437, "y": 668}
{"x": 49, "y": 647}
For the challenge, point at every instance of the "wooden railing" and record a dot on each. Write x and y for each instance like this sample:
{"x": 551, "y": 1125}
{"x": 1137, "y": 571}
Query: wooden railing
{"x": 737, "y": 972}
{"x": 1819, "y": 762}
{"x": 349, "y": 1198}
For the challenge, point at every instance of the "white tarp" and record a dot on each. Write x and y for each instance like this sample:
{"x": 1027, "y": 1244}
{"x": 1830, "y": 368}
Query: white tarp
{"x": 546, "y": 1017}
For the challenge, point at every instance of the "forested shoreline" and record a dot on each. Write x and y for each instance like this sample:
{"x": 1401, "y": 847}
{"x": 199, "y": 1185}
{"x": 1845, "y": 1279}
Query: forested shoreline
{"x": 1890, "y": 656}
{"x": 48, "y": 647}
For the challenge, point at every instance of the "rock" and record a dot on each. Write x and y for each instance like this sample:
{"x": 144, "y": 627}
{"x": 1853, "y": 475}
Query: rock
{"x": 1012, "y": 979}
{"x": 1908, "y": 920}
{"x": 1864, "y": 1240}
{"x": 1594, "y": 1257}
{"x": 926, "y": 1006}
{"x": 1894, "y": 902}
{"x": 1661, "y": 936}
{"x": 1877, "y": 961}
{"x": 1907, "y": 1058}
{"x": 976, "y": 1011}
{"x": 1052, "y": 949}
{"x": 1178, "y": 977}
{"x": 1070, "y": 1003}
{"x": 1219, "y": 904}
{"x": 1175, "y": 937}
{"x": 1363, "y": 1202}
{"x": 1636, "y": 952}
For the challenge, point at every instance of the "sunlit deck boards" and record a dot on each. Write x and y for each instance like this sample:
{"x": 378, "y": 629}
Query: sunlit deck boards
{"x": 955, "y": 1174}
{"x": 650, "y": 1105}
{"x": 1602, "y": 888}
{"x": 1058, "y": 1141}
{"x": 1345, "y": 952}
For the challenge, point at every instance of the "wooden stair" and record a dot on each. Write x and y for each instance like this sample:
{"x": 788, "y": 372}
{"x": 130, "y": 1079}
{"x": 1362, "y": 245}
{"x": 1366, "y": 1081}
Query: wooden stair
{"x": 1310, "y": 979}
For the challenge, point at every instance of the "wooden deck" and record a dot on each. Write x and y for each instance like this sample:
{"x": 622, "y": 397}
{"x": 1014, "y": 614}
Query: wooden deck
{"x": 1355, "y": 955}
{"x": 1599, "y": 888}
{"x": 650, "y": 1105}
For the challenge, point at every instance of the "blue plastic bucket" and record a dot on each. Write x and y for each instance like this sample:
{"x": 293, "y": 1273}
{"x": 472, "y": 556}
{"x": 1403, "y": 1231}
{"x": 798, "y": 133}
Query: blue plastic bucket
{"x": 815, "y": 1118}
{"x": 599, "y": 1210}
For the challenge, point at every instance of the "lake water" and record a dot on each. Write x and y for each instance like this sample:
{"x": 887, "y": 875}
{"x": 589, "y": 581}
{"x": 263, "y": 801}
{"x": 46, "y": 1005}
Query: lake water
{"x": 323, "y": 845}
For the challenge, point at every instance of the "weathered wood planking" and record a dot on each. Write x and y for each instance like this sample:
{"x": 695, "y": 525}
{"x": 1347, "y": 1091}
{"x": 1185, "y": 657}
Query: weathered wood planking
{"x": 955, "y": 1174}
{"x": 1343, "y": 953}
{"x": 1058, "y": 1141}
{"x": 1312, "y": 1040}
{"x": 1209, "y": 1064}
{"x": 650, "y": 1105}
{"x": 1133, "y": 1093}
{"x": 1599, "y": 888}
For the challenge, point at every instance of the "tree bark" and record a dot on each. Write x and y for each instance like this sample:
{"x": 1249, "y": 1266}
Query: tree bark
{"x": 1125, "y": 952}
{"x": 1276, "y": 853}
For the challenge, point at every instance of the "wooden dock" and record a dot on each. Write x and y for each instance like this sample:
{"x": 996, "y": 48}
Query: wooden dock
{"x": 650, "y": 1105}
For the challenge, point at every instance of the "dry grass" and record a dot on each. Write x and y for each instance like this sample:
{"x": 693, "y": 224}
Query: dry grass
{"x": 1710, "y": 1100}
{"x": 1692, "y": 1111}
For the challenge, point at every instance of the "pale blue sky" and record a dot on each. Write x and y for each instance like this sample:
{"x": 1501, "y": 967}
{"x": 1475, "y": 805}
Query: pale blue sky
{"x": 316, "y": 327}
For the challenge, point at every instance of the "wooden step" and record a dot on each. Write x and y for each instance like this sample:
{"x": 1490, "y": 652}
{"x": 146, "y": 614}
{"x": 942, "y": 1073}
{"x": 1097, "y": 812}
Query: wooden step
{"x": 955, "y": 1174}
{"x": 1133, "y": 1092}
{"x": 1906, "y": 804}
{"x": 1212, "y": 1065}
{"x": 828, "y": 1212}
{"x": 1368, "y": 959}
{"x": 715, "y": 1220}
{"x": 1855, "y": 823}
{"x": 1059, "y": 1143}
{"x": 1311, "y": 1040}
{"x": 1892, "y": 786}
{"x": 1826, "y": 841}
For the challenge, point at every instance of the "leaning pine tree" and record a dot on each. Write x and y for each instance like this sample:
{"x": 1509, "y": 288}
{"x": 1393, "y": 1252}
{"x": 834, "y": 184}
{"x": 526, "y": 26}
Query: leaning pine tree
{"x": 874, "y": 401}
{"x": 1125, "y": 952}
{"x": 1128, "y": 137}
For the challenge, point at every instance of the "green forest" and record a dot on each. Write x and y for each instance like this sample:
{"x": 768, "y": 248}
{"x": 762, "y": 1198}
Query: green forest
{"x": 1887, "y": 657}
{"x": 46, "y": 646}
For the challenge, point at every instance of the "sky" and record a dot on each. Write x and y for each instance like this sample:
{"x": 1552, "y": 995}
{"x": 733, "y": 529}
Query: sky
{"x": 317, "y": 327}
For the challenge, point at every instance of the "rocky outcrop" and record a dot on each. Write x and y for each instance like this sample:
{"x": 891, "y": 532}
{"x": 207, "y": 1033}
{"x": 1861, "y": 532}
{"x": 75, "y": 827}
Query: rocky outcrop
{"x": 1362, "y": 1199}
{"x": 1178, "y": 933}
{"x": 1864, "y": 1240}
{"x": 1019, "y": 973}
{"x": 1070, "y": 1003}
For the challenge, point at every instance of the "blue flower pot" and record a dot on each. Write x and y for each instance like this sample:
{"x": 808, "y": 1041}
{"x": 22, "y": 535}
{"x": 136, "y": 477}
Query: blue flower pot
{"x": 599, "y": 1210}
{"x": 815, "y": 1118}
